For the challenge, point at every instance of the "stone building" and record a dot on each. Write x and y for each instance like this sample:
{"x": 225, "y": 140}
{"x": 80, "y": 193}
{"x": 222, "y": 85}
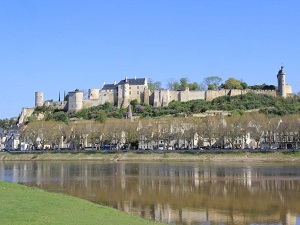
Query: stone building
{"x": 120, "y": 94}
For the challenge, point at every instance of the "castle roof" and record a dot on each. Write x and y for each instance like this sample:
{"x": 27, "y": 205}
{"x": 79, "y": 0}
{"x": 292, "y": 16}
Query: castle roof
{"x": 134, "y": 81}
{"x": 281, "y": 71}
{"x": 109, "y": 86}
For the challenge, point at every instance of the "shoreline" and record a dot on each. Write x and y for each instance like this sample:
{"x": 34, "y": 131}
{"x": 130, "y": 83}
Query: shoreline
{"x": 155, "y": 157}
{"x": 29, "y": 205}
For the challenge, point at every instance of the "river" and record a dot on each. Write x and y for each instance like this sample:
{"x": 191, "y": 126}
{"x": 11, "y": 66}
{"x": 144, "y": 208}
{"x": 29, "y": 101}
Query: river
{"x": 174, "y": 192}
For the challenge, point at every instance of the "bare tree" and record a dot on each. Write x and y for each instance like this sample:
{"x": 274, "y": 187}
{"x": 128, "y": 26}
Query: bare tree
{"x": 271, "y": 130}
{"x": 256, "y": 126}
{"x": 207, "y": 129}
{"x": 131, "y": 134}
{"x": 170, "y": 84}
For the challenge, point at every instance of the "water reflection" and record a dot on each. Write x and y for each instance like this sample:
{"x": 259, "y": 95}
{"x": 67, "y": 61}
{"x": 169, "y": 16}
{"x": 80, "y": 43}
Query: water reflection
{"x": 175, "y": 193}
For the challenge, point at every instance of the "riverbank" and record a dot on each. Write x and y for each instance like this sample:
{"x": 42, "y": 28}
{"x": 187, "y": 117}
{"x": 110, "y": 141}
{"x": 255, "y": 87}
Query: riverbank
{"x": 228, "y": 157}
{"x": 27, "y": 205}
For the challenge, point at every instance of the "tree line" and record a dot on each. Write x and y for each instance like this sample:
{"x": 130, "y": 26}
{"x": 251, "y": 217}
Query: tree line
{"x": 208, "y": 83}
{"x": 211, "y": 131}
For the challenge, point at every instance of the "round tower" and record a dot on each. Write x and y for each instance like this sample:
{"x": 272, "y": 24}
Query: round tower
{"x": 39, "y": 99}
{"x": 281, "y": 82}
{"x": 75, "y": 102}
{"x": 94, "y": 93}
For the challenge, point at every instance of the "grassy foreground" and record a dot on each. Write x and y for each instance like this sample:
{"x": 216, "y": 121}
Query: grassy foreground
{"x": 25, "y": 205}
{"x": 207, "y": 157}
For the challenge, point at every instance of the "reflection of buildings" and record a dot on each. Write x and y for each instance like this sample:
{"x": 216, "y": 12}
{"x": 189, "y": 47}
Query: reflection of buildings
{"x": 173, "y": 193}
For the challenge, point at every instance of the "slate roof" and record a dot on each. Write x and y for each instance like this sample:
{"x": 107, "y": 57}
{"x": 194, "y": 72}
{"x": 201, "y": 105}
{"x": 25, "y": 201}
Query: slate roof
{"x": 109, "y": 86}
{"x": 134, "y": 81}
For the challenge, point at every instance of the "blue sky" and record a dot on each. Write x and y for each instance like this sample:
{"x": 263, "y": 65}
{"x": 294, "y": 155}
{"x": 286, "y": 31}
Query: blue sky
{"x": 56, "y": 46}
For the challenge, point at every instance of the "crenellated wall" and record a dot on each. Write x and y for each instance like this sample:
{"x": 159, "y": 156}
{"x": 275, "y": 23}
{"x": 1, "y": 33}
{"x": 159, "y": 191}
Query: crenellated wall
{"x": 62, "y": 105}
{"x": 127, "y": 90}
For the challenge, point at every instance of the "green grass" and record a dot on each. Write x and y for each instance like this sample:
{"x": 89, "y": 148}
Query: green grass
{"x": 25, "y": 205}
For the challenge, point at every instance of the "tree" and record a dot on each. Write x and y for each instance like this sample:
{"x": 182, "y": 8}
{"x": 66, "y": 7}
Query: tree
{"x": 194, "y": 86}
{"x": 145, "y": 132}
{"x": 256, "y": 126}
{"x": 101, "y": 116}
{"x": 212, "y": 82}
{"x": 176, "y": 86}
{"x": 29, "y": 133}
{"x": 271, "y": 129}
{"x": 170, "y": 84}
{"x": 207, "y": 129}
{"x": 244, "y": 85}
{"x": 235, "y": 128}
{"x": 202, "y": 86}
{"x": 232, "y": 83}
{"x": 130, "y": 133}
{"x": 154, "y": 85}
{"x": 211, "y": 87}
{"x": 183, "y": 83}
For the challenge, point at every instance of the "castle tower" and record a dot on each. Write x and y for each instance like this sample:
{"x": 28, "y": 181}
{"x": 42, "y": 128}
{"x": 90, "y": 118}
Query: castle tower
{"x": 94, "y": 93}
{"x": 281, "y": 83}
{"x": 39, "y": 99}
{"x": 75, "y": 102}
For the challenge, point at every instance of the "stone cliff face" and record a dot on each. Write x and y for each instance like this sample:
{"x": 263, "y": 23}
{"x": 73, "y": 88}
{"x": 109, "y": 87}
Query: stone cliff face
{"x": 26, "y": 112}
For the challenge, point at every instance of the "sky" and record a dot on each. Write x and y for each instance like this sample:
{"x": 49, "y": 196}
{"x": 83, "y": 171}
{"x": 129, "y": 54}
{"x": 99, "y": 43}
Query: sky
{"x": 58, "y": 46}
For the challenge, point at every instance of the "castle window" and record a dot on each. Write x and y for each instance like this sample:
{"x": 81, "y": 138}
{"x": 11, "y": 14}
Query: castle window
{"x": 129, "y": 87}
{"x": 138, "y": 92}
{"x": 138, "y": 87}
{"x": 130, "y": 92}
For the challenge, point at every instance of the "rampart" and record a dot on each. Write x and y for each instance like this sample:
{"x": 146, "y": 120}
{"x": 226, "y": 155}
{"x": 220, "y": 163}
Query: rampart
{"x": 127, "y": 90}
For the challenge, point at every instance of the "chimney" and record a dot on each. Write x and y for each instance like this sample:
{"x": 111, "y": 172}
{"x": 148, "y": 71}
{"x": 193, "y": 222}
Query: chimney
{"x": 115, "y": 82}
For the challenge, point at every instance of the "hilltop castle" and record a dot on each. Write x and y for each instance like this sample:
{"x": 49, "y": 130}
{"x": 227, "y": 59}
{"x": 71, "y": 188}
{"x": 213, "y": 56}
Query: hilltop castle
{"x": 120, "y": 94}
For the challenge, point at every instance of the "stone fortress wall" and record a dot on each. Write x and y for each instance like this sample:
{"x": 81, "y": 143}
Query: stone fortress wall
{"x": 127, "y": 90}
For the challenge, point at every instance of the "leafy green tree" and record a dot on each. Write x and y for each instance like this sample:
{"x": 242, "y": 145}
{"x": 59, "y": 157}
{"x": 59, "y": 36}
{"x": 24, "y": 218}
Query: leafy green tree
{"x": 212, "y": 82}
{"x": 232, "y": 83}
{"x": 107, "y": 106}
{"x": 101, "y": 116}
{"x": 194, "y": 86}
{"x": 83, "y": 113}
{"x": 176, "y": 86}
{"x": 244, "y": 85}
{"x": 211, "y": 87}
{"x": 6, "y": 123}
{"x": 134, "y": 103}
{"x": 183, "y": 83}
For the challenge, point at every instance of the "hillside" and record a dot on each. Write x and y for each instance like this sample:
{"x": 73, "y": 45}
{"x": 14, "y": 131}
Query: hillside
{"x": 235, "y": 104}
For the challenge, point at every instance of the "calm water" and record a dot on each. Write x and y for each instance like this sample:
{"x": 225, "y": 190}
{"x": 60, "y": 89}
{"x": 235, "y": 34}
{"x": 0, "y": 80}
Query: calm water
{"x": 174, "y": 193}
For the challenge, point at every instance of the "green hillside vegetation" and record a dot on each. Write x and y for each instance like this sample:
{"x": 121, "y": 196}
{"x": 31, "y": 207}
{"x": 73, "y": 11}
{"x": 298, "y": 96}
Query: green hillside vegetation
{"x": 26, "y": 205}
{"x": 236, "y": 104}
{"x": 6, "y": 123}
